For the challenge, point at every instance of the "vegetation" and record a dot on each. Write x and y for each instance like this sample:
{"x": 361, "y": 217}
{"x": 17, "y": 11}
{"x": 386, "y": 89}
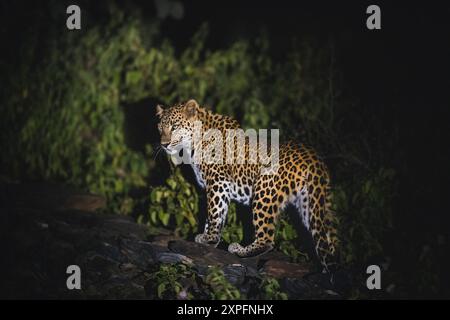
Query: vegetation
{"x": 172, "y": 281}
{"x": 179, "y": 281}
{"x": 174, "y": 204}
{"x": 271, "y": 289}
{"x": 221, "y": 289}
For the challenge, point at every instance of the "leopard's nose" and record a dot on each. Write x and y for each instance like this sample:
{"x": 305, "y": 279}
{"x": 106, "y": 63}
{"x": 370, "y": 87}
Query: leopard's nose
{"x": 165, "y": 145}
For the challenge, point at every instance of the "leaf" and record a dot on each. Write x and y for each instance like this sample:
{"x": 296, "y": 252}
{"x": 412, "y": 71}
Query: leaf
{"x": 164, "y": 217}
{"x": 161, "y": 289}
{"x": 171, "y": 183}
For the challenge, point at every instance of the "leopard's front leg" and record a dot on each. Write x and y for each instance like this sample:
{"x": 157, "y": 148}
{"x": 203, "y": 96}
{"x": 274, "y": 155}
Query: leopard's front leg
{"x": 265, "y": 209}
{"x": 218, "y": 201}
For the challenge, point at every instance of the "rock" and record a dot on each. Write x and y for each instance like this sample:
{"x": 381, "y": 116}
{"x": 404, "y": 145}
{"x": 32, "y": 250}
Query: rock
{"x": 45, "y": 229}
{"x": 50, "y": 196}
{"x": 283, "y": 269}
{"x": 296, "y": 288}
{"x": 139, "y": 252}
{"x": 83, "y": 202}
{"x": 235, "y": 274}
{"x": 208, "y": 255}
{"x": 124, "y": 227}
{"x": 170, "y": 257}
{"x": 163, "y": 239}
{"x": 306, "y": 289}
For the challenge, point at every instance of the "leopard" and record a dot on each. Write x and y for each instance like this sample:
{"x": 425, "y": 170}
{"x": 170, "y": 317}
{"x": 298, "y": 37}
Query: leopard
{"x": 302, "y": 180}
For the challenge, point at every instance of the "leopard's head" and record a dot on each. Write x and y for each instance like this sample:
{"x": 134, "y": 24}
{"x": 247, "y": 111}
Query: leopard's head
{"x": 176, "y": 125}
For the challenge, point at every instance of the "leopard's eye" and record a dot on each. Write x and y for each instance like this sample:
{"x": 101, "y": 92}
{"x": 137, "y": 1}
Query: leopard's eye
{"x": 174, "y": 127}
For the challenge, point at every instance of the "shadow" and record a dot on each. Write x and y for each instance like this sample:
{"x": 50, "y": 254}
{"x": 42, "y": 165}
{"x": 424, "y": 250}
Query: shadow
{"x": 244, "y": 214}
{"x": 188, "y": 174}
{"x": 141, "y": 130}
{"x": 304, "y": 241}
{"x": 140, "y": 124}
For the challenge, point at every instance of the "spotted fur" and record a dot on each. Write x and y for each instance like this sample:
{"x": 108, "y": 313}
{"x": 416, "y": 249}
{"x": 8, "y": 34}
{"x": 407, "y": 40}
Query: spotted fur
{"x": 302, "y": 180}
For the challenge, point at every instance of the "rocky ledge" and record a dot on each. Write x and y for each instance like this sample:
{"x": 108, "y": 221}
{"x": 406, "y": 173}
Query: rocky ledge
{"x": 46, "y": 228}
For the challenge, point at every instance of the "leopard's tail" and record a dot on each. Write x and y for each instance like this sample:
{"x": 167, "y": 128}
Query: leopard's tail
{"x": 331, "y": 223}
{"x": 323, "y": 224}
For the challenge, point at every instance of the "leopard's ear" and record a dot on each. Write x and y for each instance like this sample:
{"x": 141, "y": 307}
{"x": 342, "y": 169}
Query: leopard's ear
{"x": 159, "y": 110}
{"x": 190, "y": 108}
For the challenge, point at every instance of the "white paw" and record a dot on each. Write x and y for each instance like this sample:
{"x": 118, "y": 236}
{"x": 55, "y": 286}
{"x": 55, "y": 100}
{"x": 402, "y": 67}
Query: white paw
{"x": 200, "y": 238}
{"x": 234, "y": 247}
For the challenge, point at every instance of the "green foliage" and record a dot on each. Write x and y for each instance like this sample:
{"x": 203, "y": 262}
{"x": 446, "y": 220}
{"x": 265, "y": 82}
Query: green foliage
{"x": 175, "y": 203}
{"x": 171, "y": 281}
{"x": 271, "y": 289}
{"x": 286, "y": 240}
{"x": 220, "y": 287}
{"x": 179, "y": 281}
{"x": 233, "y": 230}
{"x": 68, "y": 117}
{"x": 366, "y": 217}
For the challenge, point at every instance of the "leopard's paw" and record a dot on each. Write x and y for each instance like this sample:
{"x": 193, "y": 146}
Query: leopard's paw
{"x": 200, "y": 238}
{"x": 204, "y": 239}
{"x": 235, "y": 248}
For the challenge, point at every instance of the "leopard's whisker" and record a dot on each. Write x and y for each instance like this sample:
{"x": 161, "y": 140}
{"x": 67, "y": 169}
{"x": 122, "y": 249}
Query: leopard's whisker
{"x": 158, "y": 150}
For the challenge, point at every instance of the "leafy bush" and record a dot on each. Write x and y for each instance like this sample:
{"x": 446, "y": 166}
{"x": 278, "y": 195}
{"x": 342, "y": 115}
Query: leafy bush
{"x": 179, "y": 281}
{"x": 173, "y": 281}
{"x": 233, "y": 231}
{"x": 175, "y": 204}
{"x": 272, "y": 290}
{"x": 65, "y": 116}
{"x": 220, "y": 287}
{"x": 286, "y": 240}
{"x": 366, "y": 216}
